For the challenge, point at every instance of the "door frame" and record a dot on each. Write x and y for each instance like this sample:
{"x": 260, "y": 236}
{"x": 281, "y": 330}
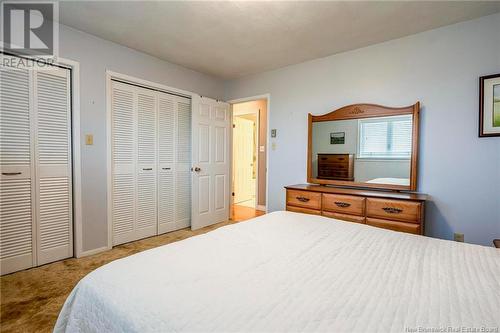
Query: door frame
{"x": 110, "y": 75}
{"x": 267, "y": 97}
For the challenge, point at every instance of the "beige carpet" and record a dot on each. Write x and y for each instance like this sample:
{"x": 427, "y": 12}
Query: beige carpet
{"x": 31, "y": 299}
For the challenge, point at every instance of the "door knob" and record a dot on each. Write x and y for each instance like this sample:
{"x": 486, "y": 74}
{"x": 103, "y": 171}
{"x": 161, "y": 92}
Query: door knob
{"x": 197, "y": 169}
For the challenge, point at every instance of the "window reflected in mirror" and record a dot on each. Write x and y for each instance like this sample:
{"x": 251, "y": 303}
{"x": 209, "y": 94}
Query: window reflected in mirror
{"x": 369, "y": 150}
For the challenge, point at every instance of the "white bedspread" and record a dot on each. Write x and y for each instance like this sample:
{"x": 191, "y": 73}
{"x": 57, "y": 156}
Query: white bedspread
{"x": 291, "y": 272}
{"x": 390, "y": 181}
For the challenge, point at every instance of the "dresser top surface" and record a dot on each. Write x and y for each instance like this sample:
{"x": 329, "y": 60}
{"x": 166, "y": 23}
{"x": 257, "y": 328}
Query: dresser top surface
{"x": 359, "y": 192}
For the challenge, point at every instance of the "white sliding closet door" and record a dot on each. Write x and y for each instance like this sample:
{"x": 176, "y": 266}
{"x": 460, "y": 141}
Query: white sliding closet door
{"x": 183, "y": 164}
{"x": 53, "y": 162}
{"x": 17, "y": 172}
{"x": 123, "y": 162}
{"x": 35, "y": 160}
{"x": 146, "y": 222}
{"x": 166, "y": 162}
{"x": 174, "y": 142}
{"x": 210, "y": 162}
{"x": 151, "y": 157}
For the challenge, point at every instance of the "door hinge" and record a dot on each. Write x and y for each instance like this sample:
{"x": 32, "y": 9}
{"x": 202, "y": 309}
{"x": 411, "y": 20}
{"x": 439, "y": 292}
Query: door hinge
{"x": 232, "y": 194}
{"x": 234, "y": 125}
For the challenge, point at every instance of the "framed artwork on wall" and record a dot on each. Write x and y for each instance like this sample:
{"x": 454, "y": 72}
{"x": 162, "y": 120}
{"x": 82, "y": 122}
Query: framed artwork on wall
{"x": 337, "y": 138}
{"x": 489, "y": 105}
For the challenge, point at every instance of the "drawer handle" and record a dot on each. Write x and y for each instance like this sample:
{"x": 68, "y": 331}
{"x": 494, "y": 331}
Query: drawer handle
{"x": 342, "y": 204}
{"x": 392, "y": 210}
{"x": 302, "y": 199}
{"x": 11, "y": 173}
{"x": 165, "y": 168}
{"x": 147, "y": 169}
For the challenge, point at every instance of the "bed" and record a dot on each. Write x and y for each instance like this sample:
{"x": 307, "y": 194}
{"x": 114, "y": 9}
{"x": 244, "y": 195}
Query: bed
{"x": 390, "y": 181}
{"x": 291, "y": 272}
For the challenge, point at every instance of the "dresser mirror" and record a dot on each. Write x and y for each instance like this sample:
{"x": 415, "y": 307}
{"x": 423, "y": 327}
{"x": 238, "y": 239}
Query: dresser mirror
{"x": 365, "y": 145}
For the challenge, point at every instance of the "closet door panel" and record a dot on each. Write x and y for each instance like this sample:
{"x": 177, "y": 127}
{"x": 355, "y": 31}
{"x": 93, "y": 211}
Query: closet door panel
{"x": 166, "y": 158}
{"x": 183, "y": 164}
{"x": 53, "y": 156}
{"x": 123, "y": 162}
{"x": 16, "y": 163}
{"x": 146, "y": 223}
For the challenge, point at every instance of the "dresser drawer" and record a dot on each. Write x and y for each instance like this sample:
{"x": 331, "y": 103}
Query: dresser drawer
{"x": 334, "y": 166}
{"x": 346, "y": 204}
{"x": 303, "y": 210}
{"x": 408, "y": 211}
{"x": 411, "y": 228}
{"x": 303, "y": 199}
{"x": 333, "y": 173}
{"x": 344, "y": 217}
{"x": 333, "y": 158}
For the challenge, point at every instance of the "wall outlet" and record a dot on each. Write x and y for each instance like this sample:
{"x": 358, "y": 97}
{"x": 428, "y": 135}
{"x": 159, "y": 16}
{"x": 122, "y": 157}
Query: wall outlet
{"x": 458, "y": 237}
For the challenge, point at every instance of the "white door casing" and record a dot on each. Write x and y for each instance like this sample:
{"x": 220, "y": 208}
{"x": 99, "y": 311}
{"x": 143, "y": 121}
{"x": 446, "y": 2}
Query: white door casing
{"x": 210, "y": 162}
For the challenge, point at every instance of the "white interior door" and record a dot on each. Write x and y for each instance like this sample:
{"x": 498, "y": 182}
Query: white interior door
{"x": 36, "y": 223}
{"x": 243, "y": 147}
{"x": 17, "y": 172}
{"x": 146, "y": 221}
{"x": 53, "y": 165}
{"x": 123, "y": 187}
{"x": 174, "y": 161}
{"x": 183, "y": 163}
{"x": 166, "y": 162}
{"x": 210, "y": 162}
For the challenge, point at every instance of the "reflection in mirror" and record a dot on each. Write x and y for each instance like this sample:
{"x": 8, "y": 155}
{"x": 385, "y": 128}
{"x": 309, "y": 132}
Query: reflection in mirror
{"x": 369, "y": 150}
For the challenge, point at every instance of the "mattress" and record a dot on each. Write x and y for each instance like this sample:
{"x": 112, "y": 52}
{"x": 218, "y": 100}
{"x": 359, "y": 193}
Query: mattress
{"x": 290, "y": 272}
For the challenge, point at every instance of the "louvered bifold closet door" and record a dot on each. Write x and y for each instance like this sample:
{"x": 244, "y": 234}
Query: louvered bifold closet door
{"x": 166, "y": 162}
{"x": 183, "y": 164}
{"x": 123, "y": 142}
{"x": 146, "y": 221}
{"x": 53, "y": 163}
{"x": 16, "y": 163}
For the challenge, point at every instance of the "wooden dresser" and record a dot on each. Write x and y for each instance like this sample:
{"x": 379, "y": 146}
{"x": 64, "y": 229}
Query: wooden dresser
{"x": 390, "y": 210}
{"x": 336, "y": 166}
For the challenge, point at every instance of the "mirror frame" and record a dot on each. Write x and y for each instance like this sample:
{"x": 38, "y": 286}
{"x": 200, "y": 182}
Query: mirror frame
{"x": 360, "y": 111}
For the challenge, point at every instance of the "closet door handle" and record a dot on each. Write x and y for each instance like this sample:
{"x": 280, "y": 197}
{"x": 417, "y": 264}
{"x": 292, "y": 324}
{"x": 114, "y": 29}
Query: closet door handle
{"x": 11, "y": 173}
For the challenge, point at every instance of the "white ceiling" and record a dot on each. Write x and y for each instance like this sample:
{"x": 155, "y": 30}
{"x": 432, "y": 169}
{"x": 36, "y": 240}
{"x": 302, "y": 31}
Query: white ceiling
{"x": 233, "y": 39}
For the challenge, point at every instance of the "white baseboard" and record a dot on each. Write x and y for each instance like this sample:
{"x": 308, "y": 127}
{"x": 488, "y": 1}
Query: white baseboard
{"x": 261, "y": 207}
{"x": 94, "y": 251}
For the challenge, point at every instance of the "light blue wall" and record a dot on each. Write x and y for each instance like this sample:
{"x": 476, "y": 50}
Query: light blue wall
{"x": 95, "y": 56}
{"x": 440, "y": 68}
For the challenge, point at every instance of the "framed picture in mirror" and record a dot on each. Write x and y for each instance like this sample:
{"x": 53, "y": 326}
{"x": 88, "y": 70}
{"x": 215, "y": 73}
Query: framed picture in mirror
{"x": 489, "y": 105}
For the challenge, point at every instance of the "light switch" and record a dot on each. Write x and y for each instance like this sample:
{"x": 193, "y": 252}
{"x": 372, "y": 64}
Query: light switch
{"x": 273, "y": 133}
{"x": 262, "y": 149}
{"x": 89, "y": 139}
